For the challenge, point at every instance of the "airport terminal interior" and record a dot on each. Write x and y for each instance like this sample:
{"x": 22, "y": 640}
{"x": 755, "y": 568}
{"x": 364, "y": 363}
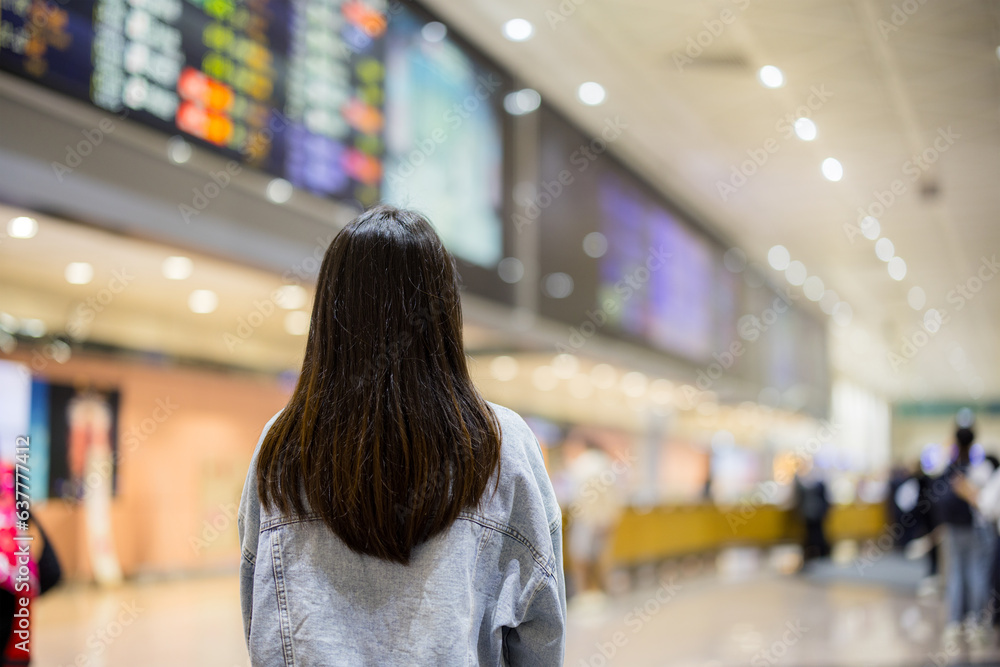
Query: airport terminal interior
{"x": 733, "y": 262}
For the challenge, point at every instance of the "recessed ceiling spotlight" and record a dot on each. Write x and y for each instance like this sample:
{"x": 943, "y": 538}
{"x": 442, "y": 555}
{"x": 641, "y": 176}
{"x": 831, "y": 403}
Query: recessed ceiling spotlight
{"x": 178, "y": 150}
{"x": 897, "y": 268}
{"x": 832, "y": 169}
{"x": 177, "y": 268}
{"x": 778, "y": 257}
{"x": 79, "y": 273}
{"x": 203, "y": 301}
{"x": 805, "y": 129}
{"x": 518, "y": 30}
{"x": 884, "y": 249}
{"x": 814, "y": 288}
{"x": 591, "y": 93}
{"x": 771, "y": 76}
{"x": 796, "y": 273}
{"x": 279, "y": 190}
{"x": 22, "y": 227}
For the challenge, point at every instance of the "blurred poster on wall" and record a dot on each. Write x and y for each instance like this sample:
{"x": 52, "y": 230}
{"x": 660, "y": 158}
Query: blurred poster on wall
{"x": 83, "y": 439}
{"x": 15, "y": 387}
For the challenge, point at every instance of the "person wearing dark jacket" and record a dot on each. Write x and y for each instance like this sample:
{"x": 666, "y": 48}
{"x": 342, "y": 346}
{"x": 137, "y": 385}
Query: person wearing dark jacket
{"x": 967, "y": 579}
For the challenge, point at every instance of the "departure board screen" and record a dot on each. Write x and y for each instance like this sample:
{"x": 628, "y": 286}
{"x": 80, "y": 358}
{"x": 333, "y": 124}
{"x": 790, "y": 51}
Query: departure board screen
{"x": 292, "y": 87}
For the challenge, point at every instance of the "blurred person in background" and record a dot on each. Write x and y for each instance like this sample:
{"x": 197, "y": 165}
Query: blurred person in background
{"x": 967, "y": 550}
{"x": 594, "y": 505}
{"x": 812, "y": 504}
{"x": 981, "y": 489}
{"x": 391, "y": 516}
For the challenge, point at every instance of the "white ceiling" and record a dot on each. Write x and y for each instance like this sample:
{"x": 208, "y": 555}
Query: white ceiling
{"x": 892, "y": 90}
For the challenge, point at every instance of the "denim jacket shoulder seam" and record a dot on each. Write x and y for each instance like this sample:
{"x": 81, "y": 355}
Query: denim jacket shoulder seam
{"x": 287, "y": 520}
{"x": 510, "y": 532}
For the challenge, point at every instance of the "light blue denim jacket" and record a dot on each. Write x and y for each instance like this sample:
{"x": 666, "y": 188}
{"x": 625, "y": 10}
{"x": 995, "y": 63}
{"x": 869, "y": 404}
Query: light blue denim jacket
{"x": 488, "y": 591}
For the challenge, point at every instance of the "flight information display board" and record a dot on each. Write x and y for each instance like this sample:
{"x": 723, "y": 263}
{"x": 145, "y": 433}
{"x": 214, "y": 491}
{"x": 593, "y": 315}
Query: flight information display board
{"x": 292, "y": 87}
{"x": 635, "y": 268}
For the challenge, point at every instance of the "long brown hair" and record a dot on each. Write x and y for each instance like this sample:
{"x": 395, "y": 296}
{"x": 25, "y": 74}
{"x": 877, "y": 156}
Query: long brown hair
{"x": 385, "y": 437}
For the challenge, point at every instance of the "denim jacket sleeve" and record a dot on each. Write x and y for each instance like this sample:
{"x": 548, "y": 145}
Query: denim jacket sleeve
{"x": 540, "y": 639}
{"x": 248, "y": 523}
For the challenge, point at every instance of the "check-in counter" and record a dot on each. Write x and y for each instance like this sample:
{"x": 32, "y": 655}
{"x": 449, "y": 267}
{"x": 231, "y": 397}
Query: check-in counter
{"x": 673, "y": 530}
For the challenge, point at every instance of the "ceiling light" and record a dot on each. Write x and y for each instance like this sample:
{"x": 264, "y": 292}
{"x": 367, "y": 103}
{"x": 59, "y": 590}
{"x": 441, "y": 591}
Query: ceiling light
{"x": 870, "y": 227}
{"x": 558, "y": 285}
{"x": 518, "y": 30}
{"x": 178, "y": 150}
{"x": 510, "y": 270}
{"x": 279, "y": 190}
{"x": 297, "y": 323}
{"x": 291, "y": 297}
{"x": 565, "y": 365}
{"x": 884, "y": 249}
{"x": 504, "y": 368}
{"x": 796, "y": 273}
{"x": 79, "y": 273}
{"x": 916, "y": 298}
{"x": 595, "y": 244}
{"x": 843, "y": 314}
{"x": 22, "y": 227}
{"x": 177, "y": 268}
{"x": 897, "y": 268}
{"x": 203, "y": 301}
{"x": 805, "y": 129}
{"x": 771, "y": 76}
{"x": 591, "y": 93}
{"x": 832, "y": 169}
{"x": 434, "y": 31}
{"x": 634, "y": 384}
{"x": 603, "y": 376}
{"x": 522, "y": 101}
{"x": 813, "y": 288}
{"x": 778, "y": 257}
{"x": 829, "y": 301}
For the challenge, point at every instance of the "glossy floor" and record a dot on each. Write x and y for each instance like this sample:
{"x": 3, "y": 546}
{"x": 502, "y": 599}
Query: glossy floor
{"x": 734, "y": 611}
